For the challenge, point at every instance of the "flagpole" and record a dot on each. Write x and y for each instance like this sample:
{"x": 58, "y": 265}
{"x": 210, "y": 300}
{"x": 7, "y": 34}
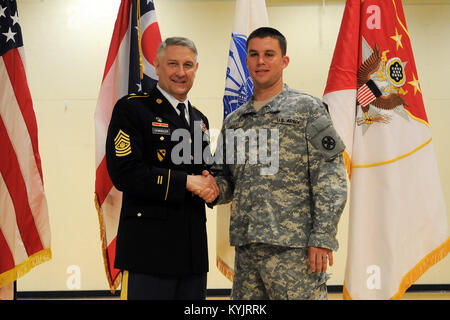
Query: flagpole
{"x": 141, "y": 67}
{"x": 15, "y": 290}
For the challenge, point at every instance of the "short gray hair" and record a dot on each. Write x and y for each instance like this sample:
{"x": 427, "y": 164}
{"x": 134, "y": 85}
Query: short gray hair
{"x": 176, "y": 41}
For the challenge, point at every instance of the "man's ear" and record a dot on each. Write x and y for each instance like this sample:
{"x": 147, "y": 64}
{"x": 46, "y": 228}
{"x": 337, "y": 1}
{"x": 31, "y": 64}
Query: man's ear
{"x": 285, "y": 61}
{"x": 156, "y": 64}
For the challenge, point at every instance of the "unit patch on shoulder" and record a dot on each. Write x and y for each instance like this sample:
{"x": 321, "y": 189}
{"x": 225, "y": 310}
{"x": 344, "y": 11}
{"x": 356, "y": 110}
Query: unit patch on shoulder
{"x": 122, "y": 144}
{"x": 328, "y": 143}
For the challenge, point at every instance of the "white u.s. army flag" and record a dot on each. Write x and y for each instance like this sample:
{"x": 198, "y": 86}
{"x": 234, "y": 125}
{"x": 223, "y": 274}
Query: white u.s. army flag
{"x": 398, "y": 221}
{"x": 249, "y": 15}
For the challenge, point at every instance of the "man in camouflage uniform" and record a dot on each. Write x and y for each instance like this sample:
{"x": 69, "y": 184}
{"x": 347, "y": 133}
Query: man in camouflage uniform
{"x": 285, "y": 213}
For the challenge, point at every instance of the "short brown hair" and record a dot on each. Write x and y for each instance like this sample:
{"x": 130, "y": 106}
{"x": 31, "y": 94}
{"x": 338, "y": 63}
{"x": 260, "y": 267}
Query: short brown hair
{"x": 264, "y": 32}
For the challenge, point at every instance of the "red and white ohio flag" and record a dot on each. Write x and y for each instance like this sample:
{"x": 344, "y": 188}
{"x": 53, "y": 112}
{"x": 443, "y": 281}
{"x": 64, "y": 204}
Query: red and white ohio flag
{"x": 24, "y": 224}
{"x": 129, "y": 68}
{"x": 398, "y": 220}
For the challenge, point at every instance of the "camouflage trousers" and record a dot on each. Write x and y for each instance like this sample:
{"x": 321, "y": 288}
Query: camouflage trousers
{"x": 264, "y": 271}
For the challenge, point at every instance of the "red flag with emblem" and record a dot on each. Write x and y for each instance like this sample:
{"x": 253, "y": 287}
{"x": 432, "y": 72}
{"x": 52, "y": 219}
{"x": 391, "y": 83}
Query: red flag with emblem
{"x": 398, "y": 220}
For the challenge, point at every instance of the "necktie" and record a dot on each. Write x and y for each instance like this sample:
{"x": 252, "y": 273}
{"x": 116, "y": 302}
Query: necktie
{"x": 181, "y": 107}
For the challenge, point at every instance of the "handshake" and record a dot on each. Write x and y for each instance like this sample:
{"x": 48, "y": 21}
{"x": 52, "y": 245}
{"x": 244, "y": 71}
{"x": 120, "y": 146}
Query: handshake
{"x": 204, "y": 186}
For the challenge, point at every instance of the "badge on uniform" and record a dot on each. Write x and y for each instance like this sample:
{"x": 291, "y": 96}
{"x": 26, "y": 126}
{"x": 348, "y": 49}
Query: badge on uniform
{"x": 328, "y": 143}
{"x": 324, "y": 137}
{"x": 161, "y": 154}
{"x": 287, "y": 121}
{"x": 122, "y": 144}
{"x": 160, "y": 124}
{"x": 160, "y": 127}
{"x": 204, "y": 128}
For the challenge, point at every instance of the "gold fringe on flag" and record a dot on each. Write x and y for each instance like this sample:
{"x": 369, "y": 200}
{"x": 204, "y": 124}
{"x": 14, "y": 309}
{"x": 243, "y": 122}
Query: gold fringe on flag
{"x": 427, "y": 262}
{"x": 224, "y": 269}
{"x": 113, "y": 285}
{"x": 412, "y": 276}
{"x": 347, "y": 163}
{"x": 25, "y": 267}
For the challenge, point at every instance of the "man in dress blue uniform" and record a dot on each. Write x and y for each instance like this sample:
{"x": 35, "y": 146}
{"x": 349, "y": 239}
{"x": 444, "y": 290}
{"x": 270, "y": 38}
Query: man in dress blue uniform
{"x": 161, "y": 240}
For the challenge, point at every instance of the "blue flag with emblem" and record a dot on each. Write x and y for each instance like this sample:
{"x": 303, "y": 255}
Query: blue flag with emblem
{"x": 238, "y": 84}
{"x": 249, "y": 15}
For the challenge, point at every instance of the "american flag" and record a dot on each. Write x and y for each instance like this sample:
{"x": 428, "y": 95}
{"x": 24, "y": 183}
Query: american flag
{"x": 129, "y": 69}
{"x": 24, "y": 225}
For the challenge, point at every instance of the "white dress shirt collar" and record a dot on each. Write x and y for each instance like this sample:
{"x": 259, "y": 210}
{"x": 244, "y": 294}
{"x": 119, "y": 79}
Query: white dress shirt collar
{"x": 174, "y": 102}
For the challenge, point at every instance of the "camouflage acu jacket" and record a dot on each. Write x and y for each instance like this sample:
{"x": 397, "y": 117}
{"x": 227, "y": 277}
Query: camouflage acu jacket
{"x": 296, "y": 202}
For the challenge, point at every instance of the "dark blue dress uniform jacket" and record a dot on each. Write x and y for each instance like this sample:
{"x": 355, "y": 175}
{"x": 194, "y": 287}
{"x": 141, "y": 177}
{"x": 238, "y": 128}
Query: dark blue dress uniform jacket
{"x": 162, "y": 228}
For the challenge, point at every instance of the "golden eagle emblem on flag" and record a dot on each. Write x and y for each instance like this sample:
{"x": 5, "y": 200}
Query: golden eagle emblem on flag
{"x": 379, "y": 85}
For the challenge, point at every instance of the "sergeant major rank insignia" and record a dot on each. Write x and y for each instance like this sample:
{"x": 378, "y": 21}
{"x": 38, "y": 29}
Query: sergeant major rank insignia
{"x": 122, "y": 144}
